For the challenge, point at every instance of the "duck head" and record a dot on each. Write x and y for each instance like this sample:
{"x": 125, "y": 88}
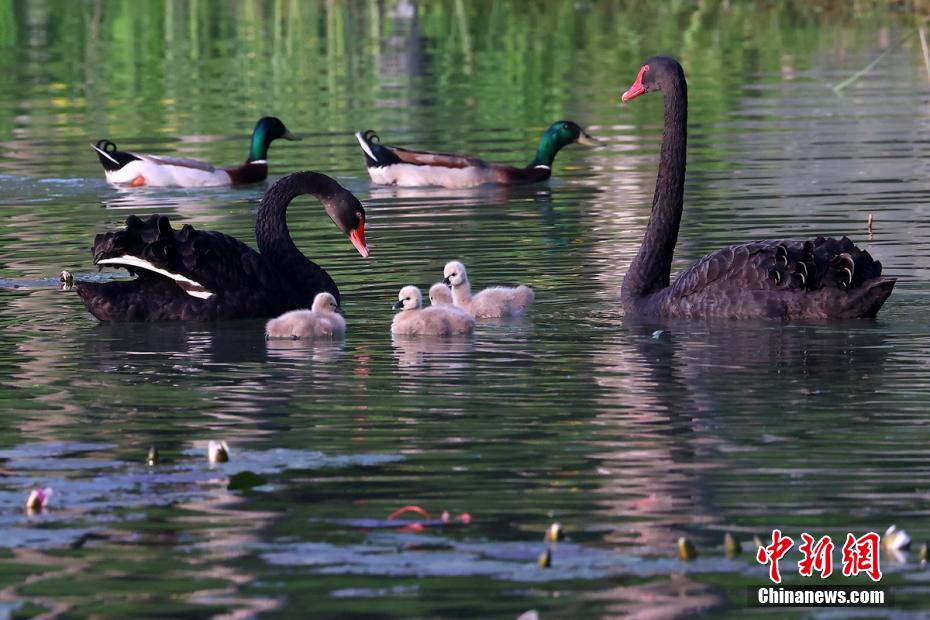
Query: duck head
{"x": 409, "y": 298}
{"x": 560, "y": 134}
{"x": 267, "y": 130}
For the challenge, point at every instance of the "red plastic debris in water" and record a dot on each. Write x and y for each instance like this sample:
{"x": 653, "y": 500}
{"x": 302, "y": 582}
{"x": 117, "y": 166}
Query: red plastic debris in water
{"x": 407, "y": 509}
{"x": 419, "y": 526}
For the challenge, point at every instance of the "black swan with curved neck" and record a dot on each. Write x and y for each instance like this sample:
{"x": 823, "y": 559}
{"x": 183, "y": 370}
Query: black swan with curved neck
{"x": 190, "y": 274}
{"x": 822, "y": 278}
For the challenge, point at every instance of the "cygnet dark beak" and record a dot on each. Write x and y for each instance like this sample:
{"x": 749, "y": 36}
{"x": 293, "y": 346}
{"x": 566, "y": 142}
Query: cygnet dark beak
{"x": 398, "y": 305}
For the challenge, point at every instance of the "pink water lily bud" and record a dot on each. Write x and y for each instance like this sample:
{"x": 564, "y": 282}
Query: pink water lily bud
{"x": 38, "y": 499}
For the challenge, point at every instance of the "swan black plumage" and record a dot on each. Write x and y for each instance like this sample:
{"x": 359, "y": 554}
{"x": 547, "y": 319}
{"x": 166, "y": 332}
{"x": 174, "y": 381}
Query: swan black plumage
{"x": 820, "y": 278}
{"x": 189, "y": 274}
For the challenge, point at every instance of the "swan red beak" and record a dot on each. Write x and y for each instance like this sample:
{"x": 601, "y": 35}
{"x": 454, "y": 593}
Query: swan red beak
{"x": 357, "y": 237}
{"x": 637, "y": 88}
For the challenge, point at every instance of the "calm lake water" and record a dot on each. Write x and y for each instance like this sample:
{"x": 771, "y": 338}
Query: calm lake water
{"x": 569, "y": 415}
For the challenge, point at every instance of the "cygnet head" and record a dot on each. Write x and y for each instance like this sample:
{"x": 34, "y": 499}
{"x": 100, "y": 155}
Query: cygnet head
{"x": 440, "y": 295}
{"x": 409, "y": 298}
{"x": 324, "y": 302}
{"x": 454, "y": 274}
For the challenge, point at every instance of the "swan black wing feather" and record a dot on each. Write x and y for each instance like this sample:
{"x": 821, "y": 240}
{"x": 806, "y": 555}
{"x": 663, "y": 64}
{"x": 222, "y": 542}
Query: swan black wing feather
{"x": 782, "y": 265}
{"x": 819, "y": 278}
{"x": 241, "y": 281}
{"x": 217, "y": 261}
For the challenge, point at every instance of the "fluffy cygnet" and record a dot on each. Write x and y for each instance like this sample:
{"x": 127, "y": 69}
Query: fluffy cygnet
{"x": 414, "y": 320}
{"x": 441, "y": 297}
{"x": 496, "y": 301}
{"x": 323, "y": 321}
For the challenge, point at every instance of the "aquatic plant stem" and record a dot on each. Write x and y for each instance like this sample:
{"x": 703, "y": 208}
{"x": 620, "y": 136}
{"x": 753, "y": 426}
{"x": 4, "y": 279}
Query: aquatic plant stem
{"x": 923, "y": 46}
{"x": 856, "y": 76}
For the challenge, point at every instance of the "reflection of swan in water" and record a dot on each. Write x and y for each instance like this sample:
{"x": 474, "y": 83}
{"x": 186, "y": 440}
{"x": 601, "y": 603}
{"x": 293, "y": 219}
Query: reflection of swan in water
{"x": 317, "y": 351}
{"x": 440, "y": 356}
{"x": 684, "y": 401}
{"x": 233, "y": 354}
{"x": 227, "y": 530}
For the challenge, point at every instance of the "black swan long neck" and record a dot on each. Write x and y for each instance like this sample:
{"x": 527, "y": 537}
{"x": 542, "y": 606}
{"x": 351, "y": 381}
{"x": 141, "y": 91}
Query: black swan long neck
{"x": 271, "y": 232}
{"x": 651, "y": 270}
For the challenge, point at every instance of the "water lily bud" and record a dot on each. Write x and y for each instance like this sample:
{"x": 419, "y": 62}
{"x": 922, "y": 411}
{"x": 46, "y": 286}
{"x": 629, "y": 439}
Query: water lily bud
{"x": 731, "y": 546}
{"x": 686, "y": 549}
{"x": 217, "y": 452}
{"x": 38, "y": 499}
{"x": 555, "y": 533}
{"x": 895, "y": 539}
{"x": 545, "y": 559}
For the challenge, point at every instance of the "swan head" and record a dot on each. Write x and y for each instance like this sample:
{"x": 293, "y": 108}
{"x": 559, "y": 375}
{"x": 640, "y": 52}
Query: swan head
{"x": 652, "y": 76}
{"x": 440, "y": 295}
{"x": 409, "y": 298}
{"x": 348, "y": 214}
{"x": 325, "y": 302}
{"x": 454, "y": 274}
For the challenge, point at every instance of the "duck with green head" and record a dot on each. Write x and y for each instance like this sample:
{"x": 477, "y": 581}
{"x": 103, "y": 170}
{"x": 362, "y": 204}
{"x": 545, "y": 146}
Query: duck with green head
{"x": 392, "y": 165}
{"x": 141, "y": 169}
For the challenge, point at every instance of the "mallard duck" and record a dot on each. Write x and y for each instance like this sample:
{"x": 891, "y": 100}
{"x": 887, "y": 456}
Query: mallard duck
{"x": 140, "y": 169}
{"x": 392, "y": 165}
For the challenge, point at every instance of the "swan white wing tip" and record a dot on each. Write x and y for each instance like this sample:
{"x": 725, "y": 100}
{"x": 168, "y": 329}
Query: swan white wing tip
{"x": 192, "y": 288}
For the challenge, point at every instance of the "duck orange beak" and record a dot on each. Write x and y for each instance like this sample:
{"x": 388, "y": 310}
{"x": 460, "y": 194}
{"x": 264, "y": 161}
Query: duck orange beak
{"x": 637, "y": 88}
{"x": 357, "y": 237}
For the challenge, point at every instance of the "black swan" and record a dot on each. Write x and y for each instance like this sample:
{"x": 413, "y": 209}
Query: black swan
{"x": 785, "y": 278}
{"x": 189, "y": 274}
